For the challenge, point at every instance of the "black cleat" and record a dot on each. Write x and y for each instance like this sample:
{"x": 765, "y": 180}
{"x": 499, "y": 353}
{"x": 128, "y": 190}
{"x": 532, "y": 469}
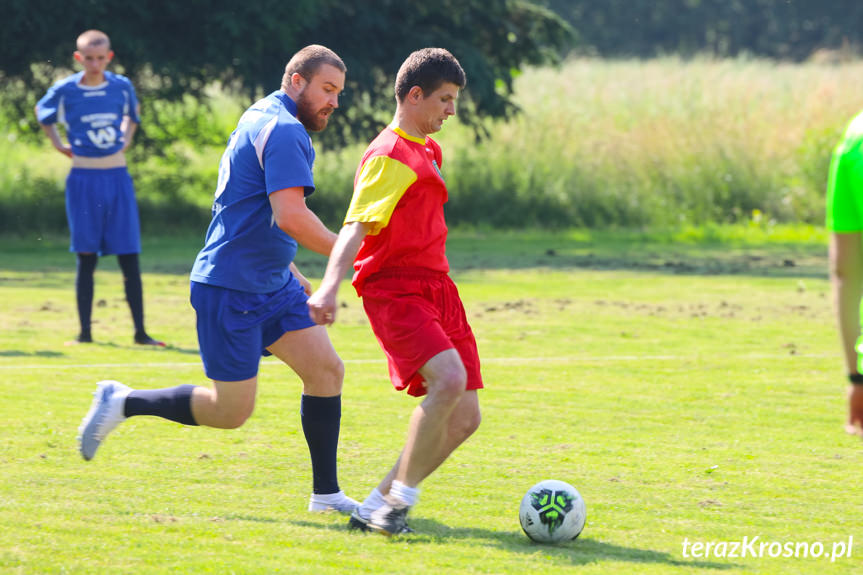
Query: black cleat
{"x": 147, "y": 340}
{"x": 357, "y": 523}
{"x": 391, "y": 518}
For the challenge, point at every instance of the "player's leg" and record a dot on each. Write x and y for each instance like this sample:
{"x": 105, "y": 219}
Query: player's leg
{"x": 462, "y": 423}
{"x": 84, "y": 273}
{"x": 84, "y": 210}
{"x": 428, "y": 429}
{"x": 459, "y": 367}
{"x": 427, "y": 442}
{"x": 135, "y": 297}
{"x": 123, "y": 237}
{"x": 846, "y": 278}
{"x": 227, "y": 405}
{"x": 311, "y": 355}
{"x": 231, "y": 355}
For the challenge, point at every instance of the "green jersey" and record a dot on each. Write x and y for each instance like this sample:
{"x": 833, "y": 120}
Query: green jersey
{"x": 845, "y": 185}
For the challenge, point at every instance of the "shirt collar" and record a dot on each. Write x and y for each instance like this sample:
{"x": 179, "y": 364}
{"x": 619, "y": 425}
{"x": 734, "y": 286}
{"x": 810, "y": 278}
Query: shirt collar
{"x": 287, "y": 101}
{"x": 407, "y": 136}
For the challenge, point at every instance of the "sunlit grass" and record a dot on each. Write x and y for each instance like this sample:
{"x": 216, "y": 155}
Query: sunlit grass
{"x": 682, "y": 404}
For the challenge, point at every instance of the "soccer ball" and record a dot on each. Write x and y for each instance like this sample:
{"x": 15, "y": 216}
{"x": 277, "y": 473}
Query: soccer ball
{"x": 552, "y": 511}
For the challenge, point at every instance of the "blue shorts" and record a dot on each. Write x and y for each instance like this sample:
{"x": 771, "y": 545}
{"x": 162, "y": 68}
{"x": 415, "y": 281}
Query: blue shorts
{"x": 236, "y": 327}
{"x": 102, "y": 213}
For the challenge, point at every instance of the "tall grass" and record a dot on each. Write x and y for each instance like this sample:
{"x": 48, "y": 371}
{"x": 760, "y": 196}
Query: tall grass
{"x": 656, "y": 143}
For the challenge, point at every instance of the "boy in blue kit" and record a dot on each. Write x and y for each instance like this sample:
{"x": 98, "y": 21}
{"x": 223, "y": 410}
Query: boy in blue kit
{"x": 249, "y": 297}
{"x": 100, "y": 113}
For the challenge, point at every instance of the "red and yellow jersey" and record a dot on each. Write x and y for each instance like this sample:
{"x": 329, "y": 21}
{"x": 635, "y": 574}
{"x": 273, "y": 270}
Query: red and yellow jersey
{"x": 399, "y": 189}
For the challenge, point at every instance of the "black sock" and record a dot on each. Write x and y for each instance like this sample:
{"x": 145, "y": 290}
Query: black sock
{"x": 84, "y": 291}
{"x": 321, "y": 417}
{"x": 134, "y": 291}
{"x": 174, "y": 403}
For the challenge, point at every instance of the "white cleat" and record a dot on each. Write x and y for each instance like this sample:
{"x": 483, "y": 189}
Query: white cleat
{"x": 106, "y": 413}
{"x": 332, "y": 502}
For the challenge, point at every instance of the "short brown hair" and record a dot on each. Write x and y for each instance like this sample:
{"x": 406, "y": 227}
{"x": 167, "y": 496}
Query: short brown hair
{"x": 428, "y": 68}
{"x": 93, "y": 38}
{"x": 307, "y": 61}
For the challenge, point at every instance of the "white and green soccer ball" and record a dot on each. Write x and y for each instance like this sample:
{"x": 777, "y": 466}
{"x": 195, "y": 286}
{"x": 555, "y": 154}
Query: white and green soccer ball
{"x": 552, "y": 511}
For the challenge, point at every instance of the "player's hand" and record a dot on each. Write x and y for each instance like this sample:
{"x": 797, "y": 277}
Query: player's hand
{"x": 322, "y": 308}
{"x": 307, "y": 285}
{"x": 65, "y": 150}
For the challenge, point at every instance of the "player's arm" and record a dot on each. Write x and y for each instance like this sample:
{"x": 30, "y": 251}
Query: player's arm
{"x": 128, "y": 127}
{"x": 53, "y": 135}
{"x": 307, "y": 285}
{"x": 295, "y": 219}
{"x": 131, "y": 117}
{"x": 322, "y": 304}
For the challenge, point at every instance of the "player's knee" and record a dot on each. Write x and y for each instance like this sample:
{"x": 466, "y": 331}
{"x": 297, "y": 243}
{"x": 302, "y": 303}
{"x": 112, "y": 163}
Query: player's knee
{"x": 235, "y": 419}
{"x": 327, "y": 379}
{"x": 236, "y": 415}
{"x": 337, "y": 370}
{"x": 451, "y": 384}
{"x": 333, "y": 374}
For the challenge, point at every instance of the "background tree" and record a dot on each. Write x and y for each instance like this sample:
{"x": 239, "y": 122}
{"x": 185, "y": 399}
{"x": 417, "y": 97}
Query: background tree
{"x": 174, "y": 50}
{"x": 787, "y": 29}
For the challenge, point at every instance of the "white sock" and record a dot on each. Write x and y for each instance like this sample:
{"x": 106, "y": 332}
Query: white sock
{"x": 372, "y": 502}
{"x": 328, "y": 497}
{"x": 117, "y": 405}
{"x": 407, "y": 494}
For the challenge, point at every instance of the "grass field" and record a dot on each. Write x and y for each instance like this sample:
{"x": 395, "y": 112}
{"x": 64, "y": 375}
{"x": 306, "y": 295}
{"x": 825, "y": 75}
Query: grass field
{"x": 688, "y": 384}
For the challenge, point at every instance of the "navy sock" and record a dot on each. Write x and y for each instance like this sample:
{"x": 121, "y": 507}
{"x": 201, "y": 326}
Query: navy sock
{"x": 84, "y": 290}
{"x": 174, "y": 403}
{"x": 321, "y": 417}
{"x": 134, "y": 290}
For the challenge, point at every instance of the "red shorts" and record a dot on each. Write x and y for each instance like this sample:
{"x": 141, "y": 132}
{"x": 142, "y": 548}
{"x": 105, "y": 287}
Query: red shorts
{"x": 416, "y": 314}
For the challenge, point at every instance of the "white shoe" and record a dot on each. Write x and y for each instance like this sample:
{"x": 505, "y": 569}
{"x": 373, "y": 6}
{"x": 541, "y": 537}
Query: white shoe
{"x": 106, "y": 413}
{"x": 332, "y": 502}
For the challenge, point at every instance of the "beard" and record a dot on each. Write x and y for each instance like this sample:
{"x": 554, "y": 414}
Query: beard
{"x": 309, "y": 116}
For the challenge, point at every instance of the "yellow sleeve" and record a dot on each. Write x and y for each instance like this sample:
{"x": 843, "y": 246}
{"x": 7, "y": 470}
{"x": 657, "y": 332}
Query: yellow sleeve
{"x": 381, "y": 184}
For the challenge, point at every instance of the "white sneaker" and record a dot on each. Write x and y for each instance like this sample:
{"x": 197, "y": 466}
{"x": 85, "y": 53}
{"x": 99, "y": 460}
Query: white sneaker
{"x": 332, "y": 502}
{"x": 106, "y": 413}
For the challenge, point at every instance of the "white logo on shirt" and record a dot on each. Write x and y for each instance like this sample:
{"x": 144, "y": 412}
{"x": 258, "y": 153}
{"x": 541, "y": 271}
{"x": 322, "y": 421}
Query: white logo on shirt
{"x": 103, "y": 137}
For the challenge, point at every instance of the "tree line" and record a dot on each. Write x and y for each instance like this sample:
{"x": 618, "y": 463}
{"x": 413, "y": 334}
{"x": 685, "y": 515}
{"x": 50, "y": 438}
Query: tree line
{"x": 781, "y": 29}
{"x": 173, "y": 50}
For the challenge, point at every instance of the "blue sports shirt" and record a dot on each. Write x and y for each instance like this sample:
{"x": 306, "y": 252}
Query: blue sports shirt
{"x": 92, "y": 115}
{"x": 269, "y": 151}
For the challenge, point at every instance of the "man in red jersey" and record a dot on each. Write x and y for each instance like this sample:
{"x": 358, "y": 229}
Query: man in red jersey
{"x": 395, "y": 236}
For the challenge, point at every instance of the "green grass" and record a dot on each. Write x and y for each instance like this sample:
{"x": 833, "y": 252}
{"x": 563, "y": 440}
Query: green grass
{"x": 688, "y": 383}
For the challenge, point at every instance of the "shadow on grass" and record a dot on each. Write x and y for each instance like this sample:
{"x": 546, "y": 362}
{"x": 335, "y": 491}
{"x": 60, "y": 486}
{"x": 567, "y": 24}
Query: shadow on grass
{"x": 136, "y": 347}
{"x": 38, "y": 353}
{"x": 707, "y": 253}
{"x": 583, "y": 551}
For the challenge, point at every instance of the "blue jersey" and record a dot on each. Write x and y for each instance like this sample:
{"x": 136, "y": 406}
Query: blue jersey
{"x": 92, "y": 115}
{"x": 269, "y": 151}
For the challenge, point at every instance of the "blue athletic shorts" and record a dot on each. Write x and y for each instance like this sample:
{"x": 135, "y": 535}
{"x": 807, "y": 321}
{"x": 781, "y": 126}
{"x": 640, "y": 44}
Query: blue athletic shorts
{"x": 102, "y": 212}
{"x": 236, "y": 327}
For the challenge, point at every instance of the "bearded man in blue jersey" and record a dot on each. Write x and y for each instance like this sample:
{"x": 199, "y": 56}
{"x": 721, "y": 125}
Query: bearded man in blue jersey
{"x": 249, "y": 297}
{"x": 100, "y": 113}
